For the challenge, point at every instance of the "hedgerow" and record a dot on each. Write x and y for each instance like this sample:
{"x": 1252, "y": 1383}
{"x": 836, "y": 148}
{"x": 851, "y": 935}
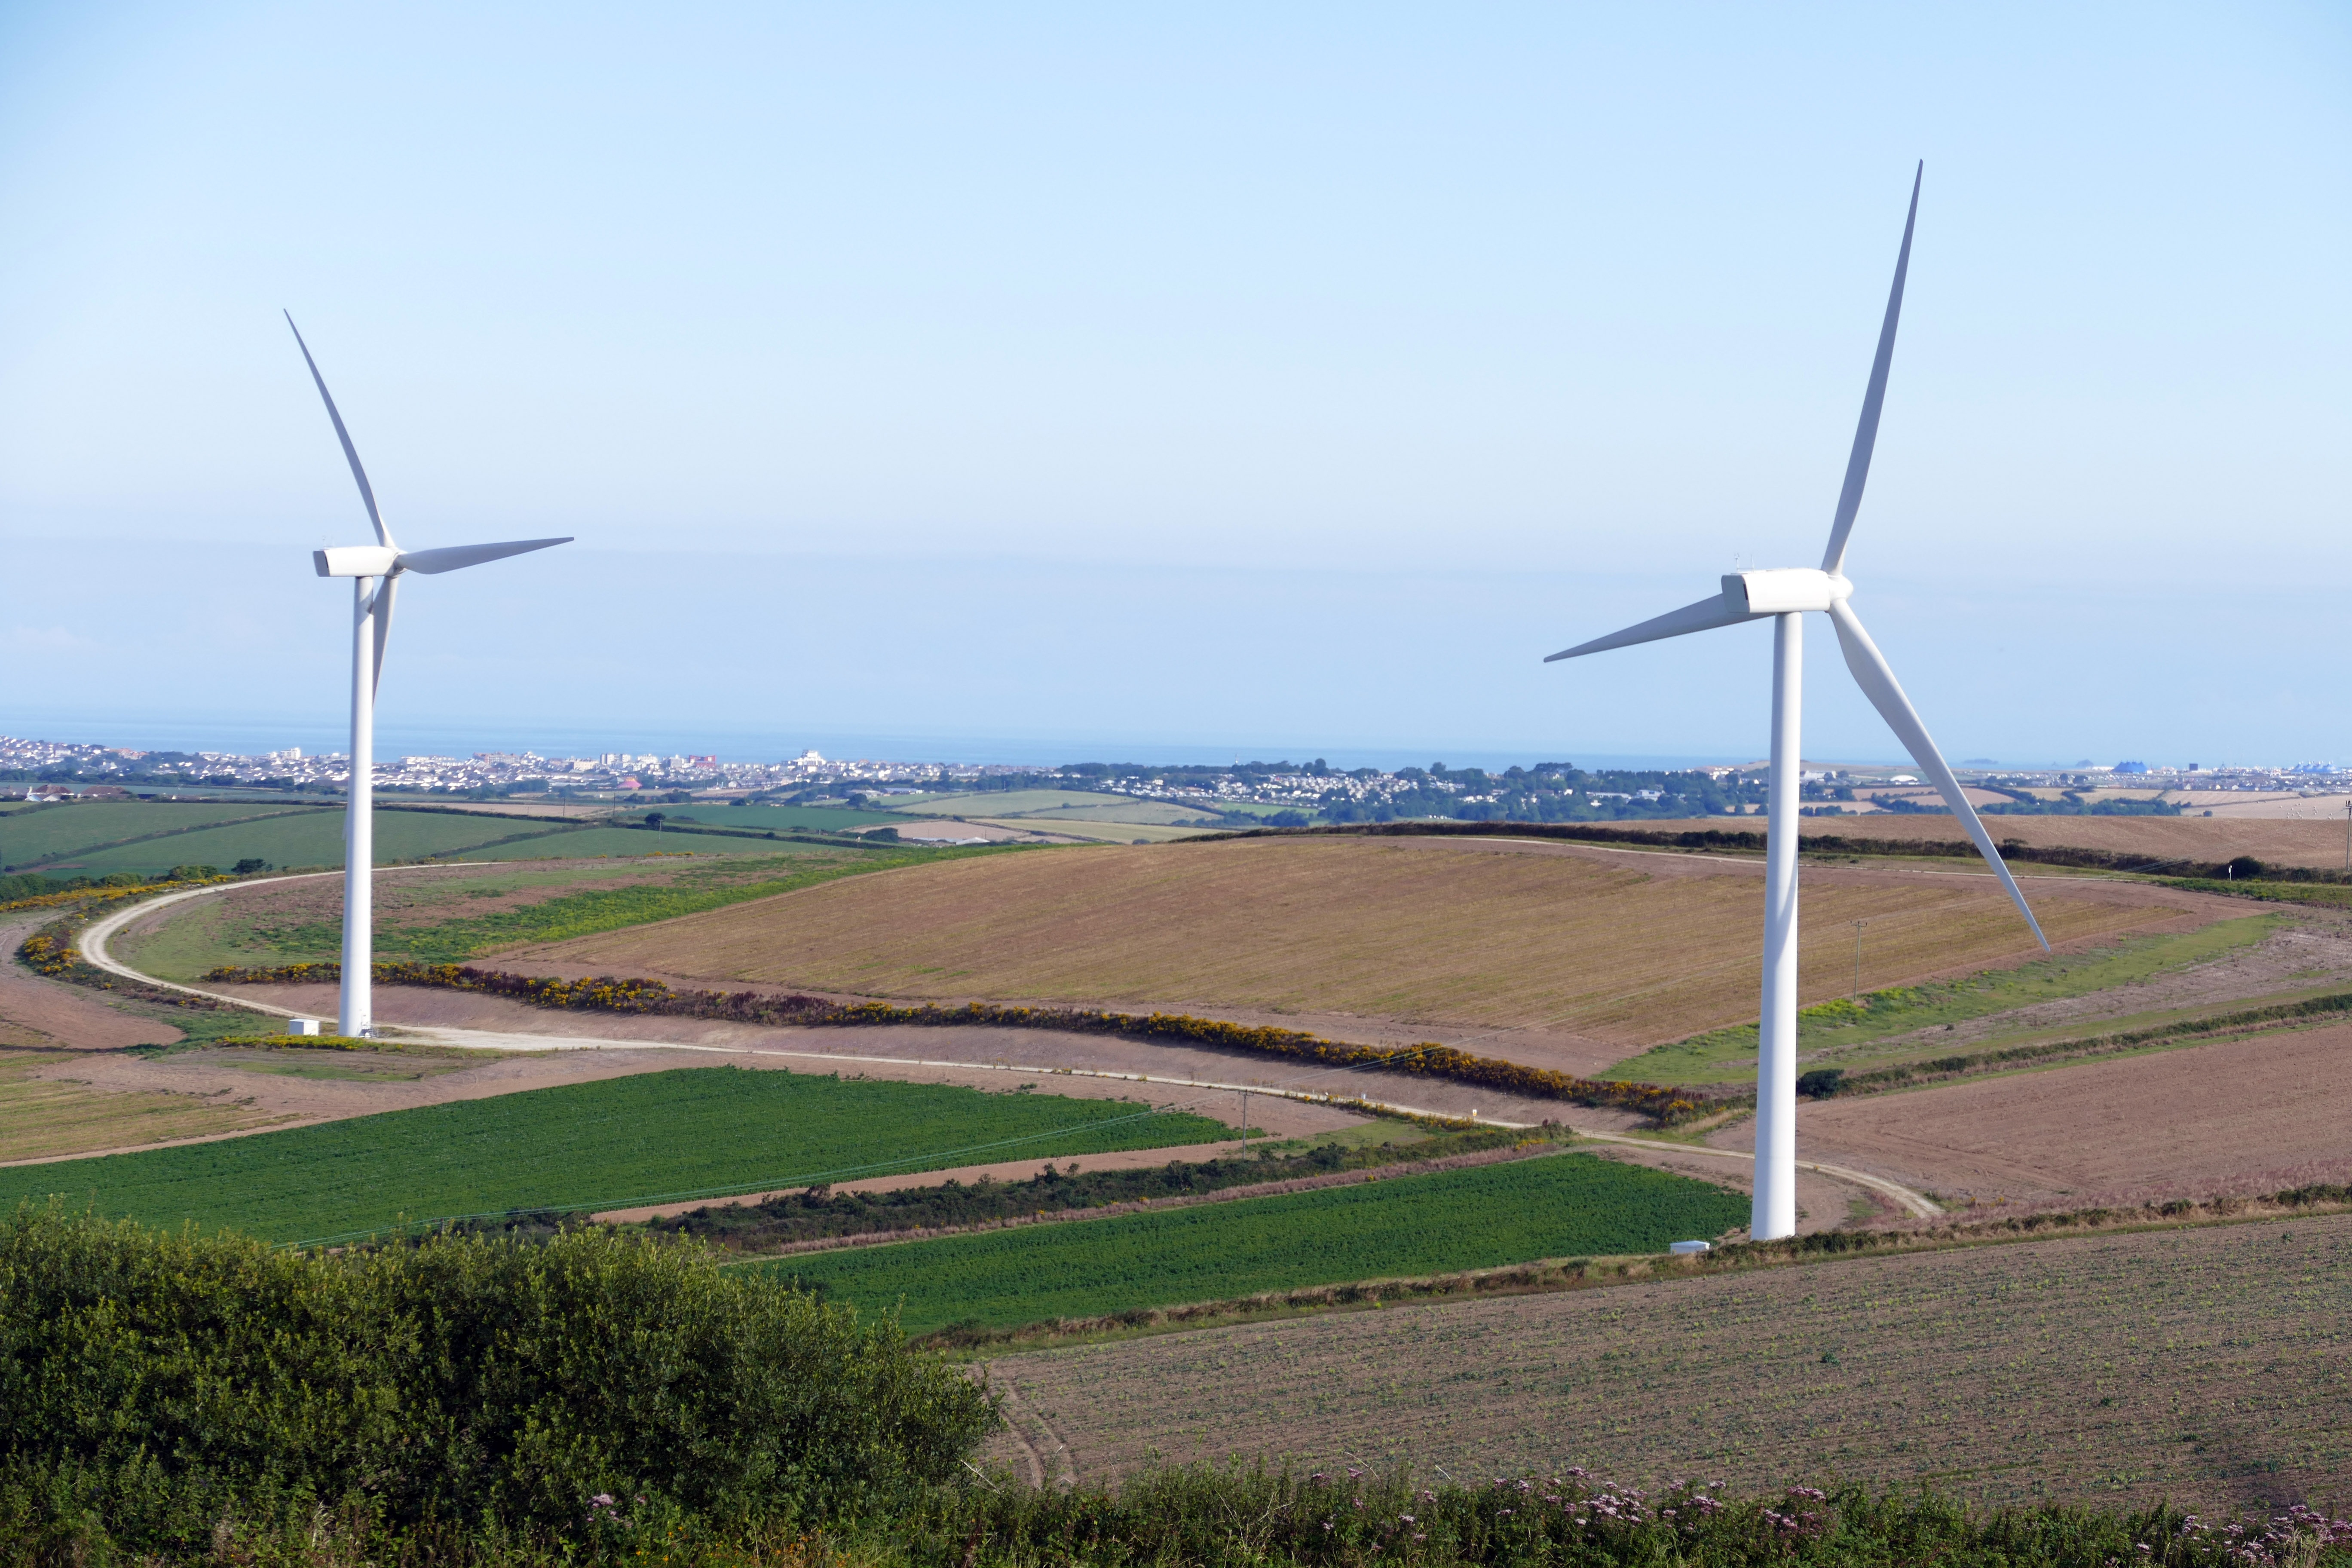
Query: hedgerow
{"x": 1664, "y": 1104}
{"x": 162, "y": 1383}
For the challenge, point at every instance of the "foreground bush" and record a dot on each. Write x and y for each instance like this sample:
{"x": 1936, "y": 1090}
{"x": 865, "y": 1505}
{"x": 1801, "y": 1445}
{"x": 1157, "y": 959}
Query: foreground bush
{"x": 1241, "y": 1518}
{"x": 152, "y": 1386}
{"x": 1206, "y": 1518}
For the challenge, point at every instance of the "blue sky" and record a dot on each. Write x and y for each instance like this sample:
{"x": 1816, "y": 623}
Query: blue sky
{"x": 1095, "y": 380}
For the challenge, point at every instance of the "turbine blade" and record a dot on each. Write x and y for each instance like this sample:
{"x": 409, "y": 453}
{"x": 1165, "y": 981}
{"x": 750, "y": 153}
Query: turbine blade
{"x": 1879, "y": 683}
{"x": 460, "y": 556}
{"x": 1865, "y": 434}
{"x": 367, "y": 491}
{"x": 1709, "y": 613}
{"x": 385, "y": 593}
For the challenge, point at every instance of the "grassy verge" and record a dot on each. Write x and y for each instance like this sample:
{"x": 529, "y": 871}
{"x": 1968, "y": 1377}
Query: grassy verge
{"x": 649, "y": 1138}
{"x": 1850, "y": 1027}
{"x": 1476, "y": 1218}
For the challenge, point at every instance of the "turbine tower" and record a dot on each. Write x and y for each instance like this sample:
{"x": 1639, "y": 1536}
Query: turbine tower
{"x": 1784, "y": 596}
{"x": 375, "y": 570}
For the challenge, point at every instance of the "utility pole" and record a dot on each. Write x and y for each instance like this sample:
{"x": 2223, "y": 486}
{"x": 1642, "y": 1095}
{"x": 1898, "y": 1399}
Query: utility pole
{"x": 1855, "y": 995}
{"x": 2347, "y": 836}
{"x": 1245, "y": 1123}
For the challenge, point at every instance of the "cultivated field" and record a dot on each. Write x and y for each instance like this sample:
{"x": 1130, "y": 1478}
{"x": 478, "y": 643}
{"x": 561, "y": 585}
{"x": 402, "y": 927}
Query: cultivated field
{"x": 1611, "y": 952}
{"x": 2253, "y": 1115}
{"x": 93, "y": 837}
{"x": 2204, "y": 1364}
{"x": 48, "y": 1107}
{"x": 605, "y": 1145}
{"x": 449, "y": 913}
{"x": 771, "y": 818}
{"x": 1484, "y": 1218}
{"x": 2210, "y": 839}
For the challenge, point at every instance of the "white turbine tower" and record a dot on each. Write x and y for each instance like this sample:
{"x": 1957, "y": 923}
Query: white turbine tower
{"x": 1785, "y": 596}
{"x": 376, "y": 569}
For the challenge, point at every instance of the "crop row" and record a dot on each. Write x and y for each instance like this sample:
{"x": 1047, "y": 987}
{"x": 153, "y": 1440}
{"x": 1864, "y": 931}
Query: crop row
{"x": 1484, "y": 1218}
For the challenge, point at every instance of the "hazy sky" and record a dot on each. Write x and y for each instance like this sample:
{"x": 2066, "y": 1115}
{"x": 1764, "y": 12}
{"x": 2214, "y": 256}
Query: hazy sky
{"x": 1092, "y": 380}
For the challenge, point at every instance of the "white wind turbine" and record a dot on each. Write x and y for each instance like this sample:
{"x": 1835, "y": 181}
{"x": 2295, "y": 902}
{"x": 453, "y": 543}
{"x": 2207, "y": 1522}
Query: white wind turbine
{"x": 1785, "y": 596}
{"x": 376, "y": 569}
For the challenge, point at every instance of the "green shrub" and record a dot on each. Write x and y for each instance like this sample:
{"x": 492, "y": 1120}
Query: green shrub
{"x": 153, "y": 1385}
{"x": 1820, "y": 1083}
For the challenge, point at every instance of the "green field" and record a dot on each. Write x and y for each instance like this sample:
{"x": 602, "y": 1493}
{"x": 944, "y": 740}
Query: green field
{"x": 34, "y": 837}
{"x": 95, "y": 837}
{"x": 613, "y": 1144}
{"x": 1561, "y": 1205}
{"x": 412, "y": 921}
{"x": 1850, "y": 1034}
{"x": 773, "y": 819}
{"x": 1032, "y": 802}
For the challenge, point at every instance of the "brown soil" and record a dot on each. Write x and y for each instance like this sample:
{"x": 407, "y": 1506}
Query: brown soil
{"x": 48, "y": 1108}
{"x": 2257, "y": 1114}
{"x": 2317, "y": 843}
{"x": 41, "y": 1014}
{"x": 2201, "y": 1364}
{"x": 1584, "y": 955}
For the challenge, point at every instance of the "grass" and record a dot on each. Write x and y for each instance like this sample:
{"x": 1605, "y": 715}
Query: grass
{"x": 214, "y": 931}
{"x": 1634, "y": 953}
{"x": 308, "y": 838}
{"x": 1102, "y": 830}
{"x": 40, "y": 835}
{"x": 1848, "y": 1028}
{"x": 769, "y": 818}
{"x": 40, "y": 1116}
{"x": 1478, "y": 1219}
{"x": 623, "y": 1142}
{"x": 1014, "y": 803}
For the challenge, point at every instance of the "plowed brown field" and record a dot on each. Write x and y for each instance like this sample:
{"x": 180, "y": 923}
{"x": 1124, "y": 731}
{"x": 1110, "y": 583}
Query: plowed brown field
{"x": 2255, "y": 1115}
{"x": 2209, "y": 839}
{"x": 1620, "y": 950}
{"x": 2206, "y": 1366}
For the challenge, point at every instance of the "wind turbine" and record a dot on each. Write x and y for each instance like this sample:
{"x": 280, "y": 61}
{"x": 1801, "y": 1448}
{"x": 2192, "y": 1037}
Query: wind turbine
{"x": 375, "y": 570}
{"x": 1785, "y": 596}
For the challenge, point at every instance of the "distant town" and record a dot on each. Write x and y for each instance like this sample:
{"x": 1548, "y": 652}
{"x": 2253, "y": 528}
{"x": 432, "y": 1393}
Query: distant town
{"x": 1278, "y": 792}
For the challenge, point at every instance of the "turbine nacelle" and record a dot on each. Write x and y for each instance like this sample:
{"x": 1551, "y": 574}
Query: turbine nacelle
{"x": 1777, "y": 591}
{"x": 382, "y": 561}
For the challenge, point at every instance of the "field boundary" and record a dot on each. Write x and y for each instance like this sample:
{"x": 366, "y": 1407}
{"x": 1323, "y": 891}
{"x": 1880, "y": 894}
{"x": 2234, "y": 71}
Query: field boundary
{"x": 1815, "y": 843}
